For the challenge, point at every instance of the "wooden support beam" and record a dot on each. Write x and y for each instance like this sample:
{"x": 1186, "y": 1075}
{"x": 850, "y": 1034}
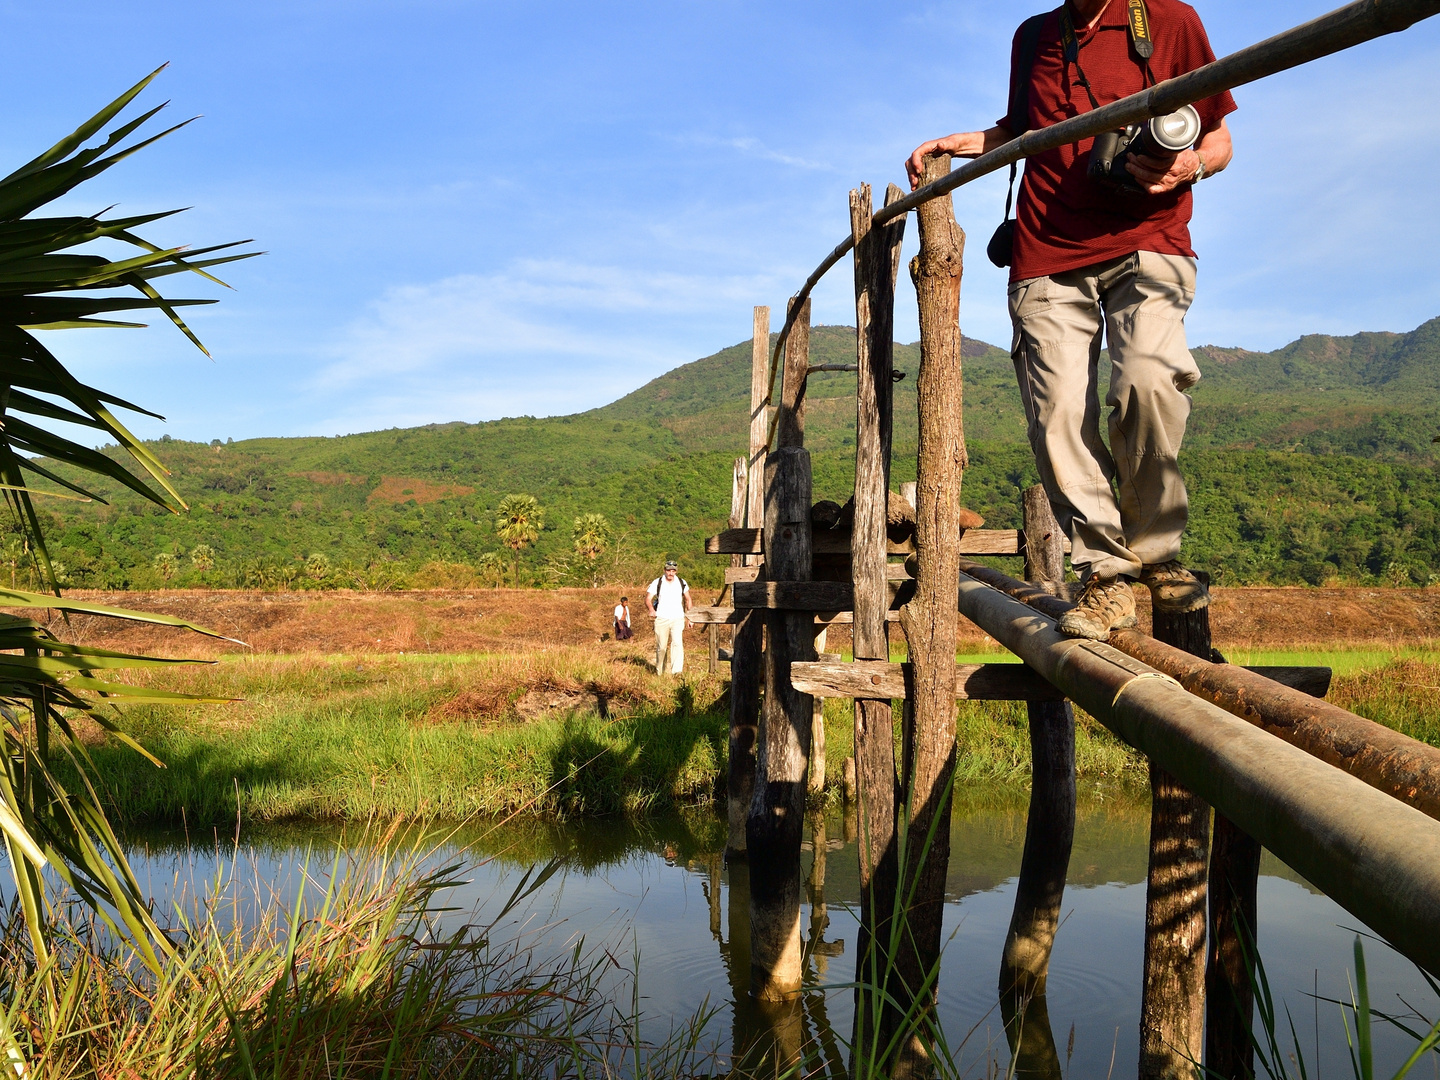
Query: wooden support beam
{"x": 974, "y": 542}
{"x": 1172, "y": 1001}
{"x": 973, "y": 682}
{"x": 894, "y": 571}
{"x": 877, "y": 261}
{"x": 773, "y": 827}
{"x": 814, "y": 595}
{"x": 702, "y": 614}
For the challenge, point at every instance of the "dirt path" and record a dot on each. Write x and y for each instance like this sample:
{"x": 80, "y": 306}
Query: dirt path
{"x": 510, "y": 619}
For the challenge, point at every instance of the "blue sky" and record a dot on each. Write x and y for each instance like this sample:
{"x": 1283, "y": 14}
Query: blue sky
{"x": 476, "y": 210}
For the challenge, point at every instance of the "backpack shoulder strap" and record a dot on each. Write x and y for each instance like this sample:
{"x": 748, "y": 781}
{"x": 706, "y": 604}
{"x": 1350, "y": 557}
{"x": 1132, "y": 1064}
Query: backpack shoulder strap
{"x": 1019, "y": 115}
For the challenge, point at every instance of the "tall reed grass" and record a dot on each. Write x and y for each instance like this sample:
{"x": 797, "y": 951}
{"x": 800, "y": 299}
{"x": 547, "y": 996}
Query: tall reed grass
{"x": 359, "y": 975}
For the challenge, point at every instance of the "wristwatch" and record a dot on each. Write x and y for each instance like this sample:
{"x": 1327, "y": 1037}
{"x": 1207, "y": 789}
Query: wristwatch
{"x": 1200, "y": 173}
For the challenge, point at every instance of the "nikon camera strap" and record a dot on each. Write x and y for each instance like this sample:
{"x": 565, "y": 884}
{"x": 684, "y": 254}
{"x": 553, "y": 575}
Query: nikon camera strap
{"x": 1138, "y": 22}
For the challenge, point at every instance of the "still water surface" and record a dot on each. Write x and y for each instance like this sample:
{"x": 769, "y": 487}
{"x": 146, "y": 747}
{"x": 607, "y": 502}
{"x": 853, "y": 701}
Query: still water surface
{"x": 659, "y": 889}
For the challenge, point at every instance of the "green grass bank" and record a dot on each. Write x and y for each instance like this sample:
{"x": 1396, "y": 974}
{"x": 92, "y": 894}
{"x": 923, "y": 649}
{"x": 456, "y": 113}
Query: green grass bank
{"x": 563, "y": 732}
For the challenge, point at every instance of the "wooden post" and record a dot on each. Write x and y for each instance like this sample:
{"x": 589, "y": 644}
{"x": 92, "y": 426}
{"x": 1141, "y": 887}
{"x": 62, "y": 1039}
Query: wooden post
{"x": 738, "y": 493}
{"x": 930, "y": 619}
{"x": 749, "y": 636}
{"x": 777, "y": 809}
{"x": 817, "y": 748}
{"x": 877, "y": 259}
{"x": 1041, "y": 543}
{"x": 773, "y": 830}
{"x": 759, "y": 418}
{"x": 817, "y": 731}
{"x": 1172, "y": 1004}
{"x": 1229, "y": 993}
{"x": 1050, "y": 824}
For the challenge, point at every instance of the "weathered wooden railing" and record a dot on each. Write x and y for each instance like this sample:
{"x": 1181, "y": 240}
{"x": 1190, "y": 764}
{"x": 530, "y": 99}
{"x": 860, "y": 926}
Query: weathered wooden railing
{"x": 1348, "y": 803}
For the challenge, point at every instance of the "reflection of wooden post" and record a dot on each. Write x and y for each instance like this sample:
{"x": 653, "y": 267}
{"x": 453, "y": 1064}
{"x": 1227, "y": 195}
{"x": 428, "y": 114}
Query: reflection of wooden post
{"x": 745, "y": 670}
{"x": 930, "y": 619}
{"x": 735, "y": 954}
{"x": 777, "y": 809}
{"x": 716, "y": 865}
{"x": 877, "y": 258}
{"x": 1050, "y": 825}
{"x": 1172, "y": 1005}
{"x": 1032, "y": 1044}
{"x": 1229, "y": 993}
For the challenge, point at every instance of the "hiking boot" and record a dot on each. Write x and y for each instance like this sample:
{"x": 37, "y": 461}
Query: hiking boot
{"x": 1173, "y": 589}
{"x": 1105, "y": 604}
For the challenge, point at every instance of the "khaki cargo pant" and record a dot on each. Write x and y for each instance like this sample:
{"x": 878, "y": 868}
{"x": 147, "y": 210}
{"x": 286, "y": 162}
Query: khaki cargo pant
{"x": 670, "y": 635}
{"x": 1139, "y": 303}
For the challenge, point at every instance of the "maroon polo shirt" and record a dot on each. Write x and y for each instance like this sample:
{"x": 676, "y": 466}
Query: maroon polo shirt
{"x": 1065, "y": 220}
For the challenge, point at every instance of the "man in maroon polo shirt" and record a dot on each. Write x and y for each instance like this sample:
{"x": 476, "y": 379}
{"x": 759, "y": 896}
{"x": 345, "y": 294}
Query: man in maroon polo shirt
{"x": 1089, "y": 260}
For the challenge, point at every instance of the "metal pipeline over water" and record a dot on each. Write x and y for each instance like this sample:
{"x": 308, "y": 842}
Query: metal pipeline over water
{"x": 1376, "y": 857}
{"x": 1396, "y": 764}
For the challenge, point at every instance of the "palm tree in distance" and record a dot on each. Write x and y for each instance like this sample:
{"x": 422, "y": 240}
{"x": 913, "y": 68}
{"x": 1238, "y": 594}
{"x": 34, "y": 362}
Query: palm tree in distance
{"x": 518, "y": 522}
{"x": 592, "y": 536}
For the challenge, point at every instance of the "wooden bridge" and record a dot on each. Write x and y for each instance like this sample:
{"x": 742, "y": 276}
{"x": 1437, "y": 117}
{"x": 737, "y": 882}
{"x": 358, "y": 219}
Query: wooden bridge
{"x": 1240, "y": 758}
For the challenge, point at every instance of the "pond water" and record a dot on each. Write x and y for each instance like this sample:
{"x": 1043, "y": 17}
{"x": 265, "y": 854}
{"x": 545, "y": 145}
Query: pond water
{"x": 660, "y": 889}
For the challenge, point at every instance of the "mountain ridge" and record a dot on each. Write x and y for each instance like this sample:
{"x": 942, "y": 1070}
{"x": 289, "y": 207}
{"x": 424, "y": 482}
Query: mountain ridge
{"x": 1310, "y": 460}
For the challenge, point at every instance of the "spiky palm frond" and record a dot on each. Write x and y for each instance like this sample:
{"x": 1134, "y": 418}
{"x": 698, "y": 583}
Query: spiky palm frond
{"x": 52, "y": 278}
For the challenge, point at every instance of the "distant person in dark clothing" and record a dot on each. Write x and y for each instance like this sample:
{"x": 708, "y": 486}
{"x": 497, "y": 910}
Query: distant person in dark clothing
{"x": 622, "y": 620}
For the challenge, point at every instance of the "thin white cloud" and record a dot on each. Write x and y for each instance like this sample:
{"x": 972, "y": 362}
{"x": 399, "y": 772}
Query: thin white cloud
{"x": 543, "y": 337}
{"x": 754, "y": 148}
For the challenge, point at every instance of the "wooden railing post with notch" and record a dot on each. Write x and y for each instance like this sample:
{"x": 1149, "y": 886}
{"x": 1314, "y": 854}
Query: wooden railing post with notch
{"x": 1172, "y": 1004}
{"x": 877, "y": 261}
{"x": 931, "y": 618}
{"x": 773, "y": 830}
{"x": 1049, "y": 825}
{"x": 749, "y": 636}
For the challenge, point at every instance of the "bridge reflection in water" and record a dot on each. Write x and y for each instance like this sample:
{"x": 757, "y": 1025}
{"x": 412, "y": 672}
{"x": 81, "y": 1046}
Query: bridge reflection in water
{"x": 661, "y": 884}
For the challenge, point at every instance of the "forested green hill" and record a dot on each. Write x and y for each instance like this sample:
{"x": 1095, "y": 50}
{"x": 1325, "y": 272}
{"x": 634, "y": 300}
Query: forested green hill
{"x": 1305, "y": 463}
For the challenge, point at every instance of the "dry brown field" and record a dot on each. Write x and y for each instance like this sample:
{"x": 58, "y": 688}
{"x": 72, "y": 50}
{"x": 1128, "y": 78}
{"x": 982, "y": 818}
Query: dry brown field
{"x": 487, "y": 620}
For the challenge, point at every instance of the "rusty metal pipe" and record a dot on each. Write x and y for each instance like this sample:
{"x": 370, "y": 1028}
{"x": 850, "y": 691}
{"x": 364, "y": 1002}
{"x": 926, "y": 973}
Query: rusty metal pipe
{"x": 1373, "y": 855}
{"x": 1396, "y": 764}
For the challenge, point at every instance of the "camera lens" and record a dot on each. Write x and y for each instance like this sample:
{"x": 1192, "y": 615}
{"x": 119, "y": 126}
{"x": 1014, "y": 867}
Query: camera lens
{"x": 1177, "y": 130}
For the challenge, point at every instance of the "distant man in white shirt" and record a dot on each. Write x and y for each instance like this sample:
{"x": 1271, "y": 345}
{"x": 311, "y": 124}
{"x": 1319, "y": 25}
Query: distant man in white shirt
{"x": 622, "y": 620}
{"x": 667, "y": 599}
